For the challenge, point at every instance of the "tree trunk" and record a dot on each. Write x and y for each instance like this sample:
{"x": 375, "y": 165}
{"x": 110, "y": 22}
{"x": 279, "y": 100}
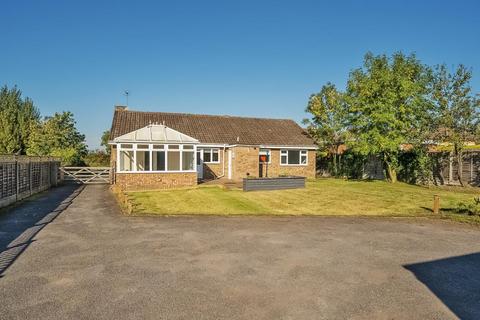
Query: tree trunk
{"x": 459, "y": 157}
{"x": 391, "y": 169}
{"x": 392, "y": 173}
{"x": 335, "y": 173}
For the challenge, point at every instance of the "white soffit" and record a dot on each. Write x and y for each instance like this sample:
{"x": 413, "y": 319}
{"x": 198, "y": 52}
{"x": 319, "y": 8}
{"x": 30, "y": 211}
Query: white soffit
{"x": 156, "y": 133}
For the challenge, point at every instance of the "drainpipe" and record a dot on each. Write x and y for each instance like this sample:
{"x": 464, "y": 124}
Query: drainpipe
{"x": 223, "y": 164}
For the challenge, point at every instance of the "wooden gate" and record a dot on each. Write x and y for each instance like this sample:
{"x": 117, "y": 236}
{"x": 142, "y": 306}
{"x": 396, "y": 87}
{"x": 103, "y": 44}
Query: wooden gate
{"x": 86, "y": 175}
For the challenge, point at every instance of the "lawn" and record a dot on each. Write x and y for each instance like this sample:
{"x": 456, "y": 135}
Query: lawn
{"x": 320, "y": 197}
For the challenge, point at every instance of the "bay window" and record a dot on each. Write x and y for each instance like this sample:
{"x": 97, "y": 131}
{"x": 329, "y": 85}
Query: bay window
{"x": 293, "y": 157}
{"x": 156, "y": 157}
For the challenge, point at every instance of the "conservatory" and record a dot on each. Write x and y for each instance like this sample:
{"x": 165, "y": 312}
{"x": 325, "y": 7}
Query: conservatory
{"x": 153, "y": 155}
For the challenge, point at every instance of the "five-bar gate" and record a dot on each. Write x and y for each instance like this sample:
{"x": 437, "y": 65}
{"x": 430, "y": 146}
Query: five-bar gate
{"x": 86, "y": 175}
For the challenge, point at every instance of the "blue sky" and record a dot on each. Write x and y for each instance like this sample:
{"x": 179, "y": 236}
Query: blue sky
{"x": 253, "y": 58}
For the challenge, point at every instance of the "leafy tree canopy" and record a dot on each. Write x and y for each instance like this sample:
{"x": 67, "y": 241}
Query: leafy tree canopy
{"x": 456, "y": 109}
{"x": 58, "y": 136}
{"x": 104, "y": 141}
{"x": 328, "y": 125}
{"x": 18, "y": 116}
{"x": 388, "y": 106}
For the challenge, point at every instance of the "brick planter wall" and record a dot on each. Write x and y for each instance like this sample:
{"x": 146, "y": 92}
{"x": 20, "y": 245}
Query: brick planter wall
{"x": 155, "y": 181}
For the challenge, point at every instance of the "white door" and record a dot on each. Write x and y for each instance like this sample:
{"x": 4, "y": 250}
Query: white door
{"x": 200, "y": 163}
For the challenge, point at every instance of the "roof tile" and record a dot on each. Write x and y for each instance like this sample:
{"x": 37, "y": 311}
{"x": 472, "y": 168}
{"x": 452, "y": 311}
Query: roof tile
{"x": 216, "y": 129}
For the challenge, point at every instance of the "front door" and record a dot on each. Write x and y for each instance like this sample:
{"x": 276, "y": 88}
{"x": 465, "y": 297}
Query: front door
{"x": 200, "y": 163}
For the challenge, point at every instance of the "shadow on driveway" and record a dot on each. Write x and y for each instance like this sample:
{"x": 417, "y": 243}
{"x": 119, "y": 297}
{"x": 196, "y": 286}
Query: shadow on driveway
{"x": 455, "y": 281}
{"x": 19, "y": 224}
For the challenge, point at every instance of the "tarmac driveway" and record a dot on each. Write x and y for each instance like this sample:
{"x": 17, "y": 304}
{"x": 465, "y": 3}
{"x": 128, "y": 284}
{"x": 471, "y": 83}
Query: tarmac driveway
{"x": 90, "y": 262}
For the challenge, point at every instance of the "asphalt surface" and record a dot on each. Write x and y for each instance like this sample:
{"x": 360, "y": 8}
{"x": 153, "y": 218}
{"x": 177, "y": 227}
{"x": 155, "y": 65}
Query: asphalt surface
{"x": 90, "y": 262}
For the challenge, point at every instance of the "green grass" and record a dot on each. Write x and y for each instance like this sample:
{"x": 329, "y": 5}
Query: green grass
{"x": 321, "y": 197}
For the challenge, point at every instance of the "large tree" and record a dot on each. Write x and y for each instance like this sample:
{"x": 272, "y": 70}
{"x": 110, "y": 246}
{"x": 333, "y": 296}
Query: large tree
{"x": 328, "y": 122}
{"x": 58, "y": 136}
{"x": 388, "y": 106}
{"x": 455, "y": 110}
{"x": 18, "y": 116}
{"x": 104, "y": 141}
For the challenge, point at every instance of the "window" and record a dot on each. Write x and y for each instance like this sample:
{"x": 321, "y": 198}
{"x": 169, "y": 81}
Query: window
{"x": 211, "y": 156}
{"x": 156, "y": 158}
{"x": 173, "y": 158}
{"x": 207, "y": 155}
{"x": 303, "y": 157}
{"x": 126, "y": 160}
{"x": 187, "y": 160}
{"x": 143, "y": 161}
{"x": 264, "y": 156}
{"x": 293, "y": 157}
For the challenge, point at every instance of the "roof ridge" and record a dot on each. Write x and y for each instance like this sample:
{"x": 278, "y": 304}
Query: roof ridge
{"x": 203, "y": 115}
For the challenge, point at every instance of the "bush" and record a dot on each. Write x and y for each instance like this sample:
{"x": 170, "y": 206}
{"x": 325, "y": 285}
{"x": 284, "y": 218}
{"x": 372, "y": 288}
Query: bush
{"x": 97, "y": 158}
{"x": 470, "y": 208}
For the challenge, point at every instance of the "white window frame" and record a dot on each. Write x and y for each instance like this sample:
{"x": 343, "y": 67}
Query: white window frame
{"x": 267, "y": 152}
{"x": 211, "y": 154}
{"x": 150, "y": 151}
{"x": 302, "y": 152}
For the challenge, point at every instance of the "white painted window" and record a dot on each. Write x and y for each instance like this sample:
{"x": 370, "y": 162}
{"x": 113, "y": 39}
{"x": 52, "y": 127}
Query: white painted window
{"x": 264, "y": 156}
{"x": 142, "y": 156}
{"x": 126, "y": 160}
{"x": 211, "y": 155}
{"x": 156, "y": 158}
{"x": 293, "y": 157}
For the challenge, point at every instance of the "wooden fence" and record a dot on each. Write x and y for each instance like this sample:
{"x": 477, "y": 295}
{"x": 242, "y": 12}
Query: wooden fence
{"x": 446, "y": 170}
{"x": 23, "y": 176}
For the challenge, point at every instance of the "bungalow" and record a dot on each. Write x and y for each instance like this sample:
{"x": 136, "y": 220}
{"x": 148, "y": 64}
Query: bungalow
{"x": 159, "y": 150}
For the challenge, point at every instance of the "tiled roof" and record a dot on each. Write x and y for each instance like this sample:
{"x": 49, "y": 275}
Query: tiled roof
{"x": 216, "y": 129}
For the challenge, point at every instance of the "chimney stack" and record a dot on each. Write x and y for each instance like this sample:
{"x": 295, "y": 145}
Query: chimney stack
{"x": 120, "y": 108}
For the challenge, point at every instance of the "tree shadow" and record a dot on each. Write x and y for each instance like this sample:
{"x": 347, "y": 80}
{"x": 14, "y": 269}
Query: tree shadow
{"x": 455, "y": 281}
{"x": 20, "y": 223}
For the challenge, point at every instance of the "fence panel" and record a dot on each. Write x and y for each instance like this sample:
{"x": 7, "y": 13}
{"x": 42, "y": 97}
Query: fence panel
{"x": 22, "y": 176}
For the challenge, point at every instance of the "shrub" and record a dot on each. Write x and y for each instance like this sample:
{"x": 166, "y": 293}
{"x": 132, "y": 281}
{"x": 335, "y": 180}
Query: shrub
{"x": 471, "y": 208}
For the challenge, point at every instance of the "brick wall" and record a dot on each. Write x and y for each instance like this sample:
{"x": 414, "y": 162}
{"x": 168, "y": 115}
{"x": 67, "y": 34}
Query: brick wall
{"x": 244, "y": 160}
{"x": 275, "y": 169}
{"x": 155, "y": 181}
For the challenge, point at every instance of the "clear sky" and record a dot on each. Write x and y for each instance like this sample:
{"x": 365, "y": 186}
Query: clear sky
{"x": 255, "y": 58}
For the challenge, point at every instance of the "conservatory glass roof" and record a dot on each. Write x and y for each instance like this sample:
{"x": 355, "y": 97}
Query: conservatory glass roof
{"x": 155, "y": 133}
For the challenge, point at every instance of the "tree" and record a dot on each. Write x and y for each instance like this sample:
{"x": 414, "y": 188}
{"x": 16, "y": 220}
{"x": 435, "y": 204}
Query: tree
{"x": 328, "y": 123}
{"x": 455, "y": 110}
{"x": 58, "y": 136}
{"x": 97, "y": 158}
{"x": 388, "y": 106}
{"x": 18, "y": 117}
{"x": 104, "y": 141}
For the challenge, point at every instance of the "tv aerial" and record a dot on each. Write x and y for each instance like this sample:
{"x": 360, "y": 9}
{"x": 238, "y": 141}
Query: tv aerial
{"x": 126, "y": 93}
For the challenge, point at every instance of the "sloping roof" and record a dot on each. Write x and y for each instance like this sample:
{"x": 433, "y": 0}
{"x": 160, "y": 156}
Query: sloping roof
{"x": 156, "y": 133}
{"x": 216, "y": 129}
